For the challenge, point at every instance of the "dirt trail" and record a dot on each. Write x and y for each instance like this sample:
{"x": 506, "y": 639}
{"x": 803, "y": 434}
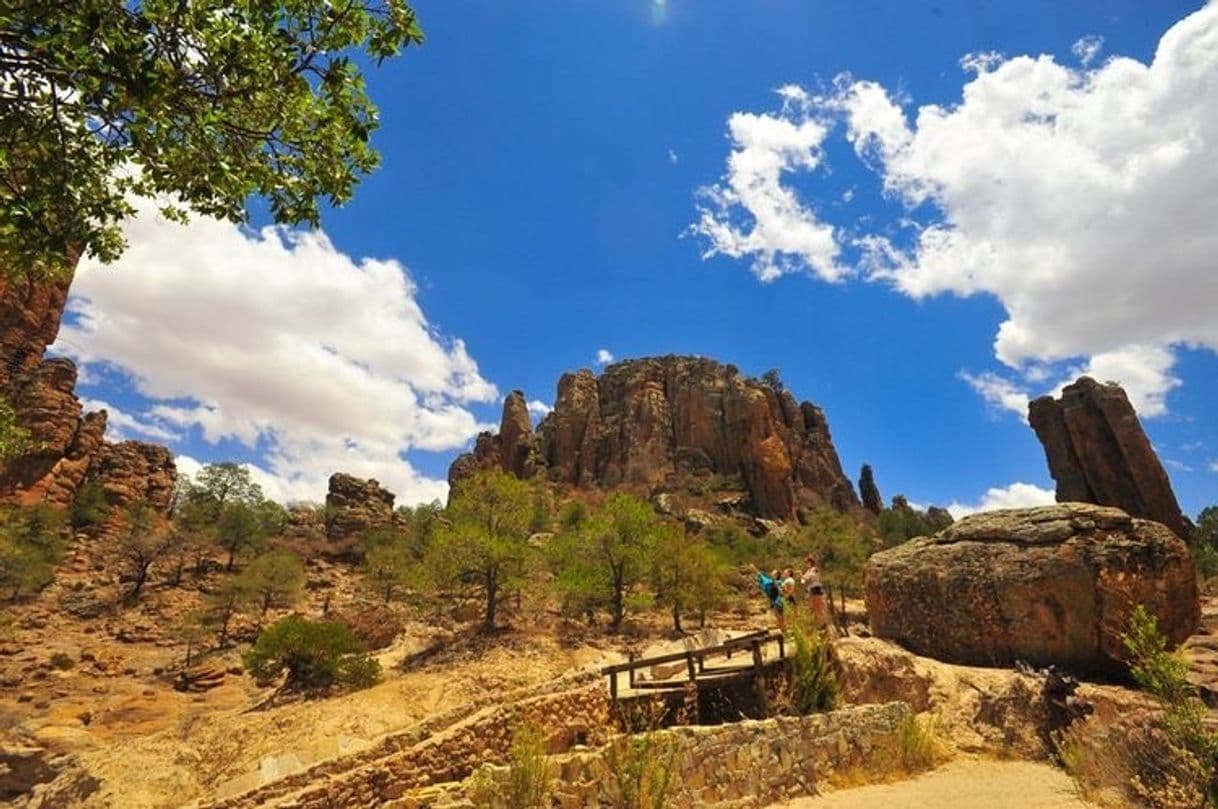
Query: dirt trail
{"x": 962, "y": 784}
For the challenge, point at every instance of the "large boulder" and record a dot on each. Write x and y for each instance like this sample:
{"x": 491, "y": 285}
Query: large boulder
{"x": 1098, "y": 453}
{"x": 354, "y": 505}
{"x": 1048, "y": 585}
{"x": 643, "y": 422}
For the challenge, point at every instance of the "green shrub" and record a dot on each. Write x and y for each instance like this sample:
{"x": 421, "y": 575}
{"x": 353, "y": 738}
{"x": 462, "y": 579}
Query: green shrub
{"x": 528, "y": 784}
{"x": 1205, "y": 559}
{"x": 313, "y": 654}
{"x": 1192, "y": 763}
{"x": 814, "y": 684}
{"x": 31, "y": 543}
{"x": 918, "y": 746}
{"x": 89, "y": 505}
{"x": 640, "y": 771}
{"x": 62, "y": 661}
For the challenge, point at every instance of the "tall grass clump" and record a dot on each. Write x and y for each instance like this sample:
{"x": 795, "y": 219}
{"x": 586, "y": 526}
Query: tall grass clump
{"x": 641, "y": 770}
{"x": 814, "y": 684}
{"x": 528, "y": 784}
{"x": 1169, "y": 762}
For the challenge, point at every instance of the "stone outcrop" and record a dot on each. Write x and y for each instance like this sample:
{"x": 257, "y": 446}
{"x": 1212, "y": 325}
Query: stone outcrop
{"x": 1048, "y": 585}
{"x": 644, "y": 422}
{"x": 66, "y": 443}
{"x": 30, "y": 311}
{"x": 134, "y": 471}
{"x": 306, "y": 523}
{"x": 869, "y": 492}
{"x": 64, "y": 440}
{"x": 354, "y": 505}
{"x": 1098, "y": 453}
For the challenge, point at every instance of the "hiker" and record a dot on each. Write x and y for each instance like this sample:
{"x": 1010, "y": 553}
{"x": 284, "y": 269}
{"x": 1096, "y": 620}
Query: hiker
{"x": 787, "y": 586}
{"x": 815, "y": 590}
{"x": 772, "y": 588}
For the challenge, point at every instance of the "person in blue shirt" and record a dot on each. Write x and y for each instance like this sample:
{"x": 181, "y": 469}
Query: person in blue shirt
{"x": 770, "y": 585}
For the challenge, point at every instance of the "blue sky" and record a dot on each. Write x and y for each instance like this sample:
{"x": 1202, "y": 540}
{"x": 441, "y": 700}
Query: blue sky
{"x": 556, "y": 182}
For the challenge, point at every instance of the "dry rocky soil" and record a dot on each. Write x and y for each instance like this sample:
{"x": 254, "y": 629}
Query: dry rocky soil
{"x": 119, "y": 734}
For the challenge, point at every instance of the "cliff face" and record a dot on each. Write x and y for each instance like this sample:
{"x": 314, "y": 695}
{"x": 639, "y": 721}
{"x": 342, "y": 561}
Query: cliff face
{"x": 64, "y": 439}
{"x": 643, "y": 421}
{"x": 67, "y": 443}
{"x": 1098, "y": 453}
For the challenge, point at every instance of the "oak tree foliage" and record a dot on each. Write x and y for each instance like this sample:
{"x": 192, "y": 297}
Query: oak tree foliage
{"x": 198, "y": 104}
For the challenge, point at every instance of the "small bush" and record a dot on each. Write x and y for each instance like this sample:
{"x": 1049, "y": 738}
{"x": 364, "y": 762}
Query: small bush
{"x": 313, "y": 654}
{"x": 641, "y": 770}
{"x": 1164, "y": 675}
{"x": 1163, "y": 761}
{"x": 814, "y": 685}
{"x": 1205, "y": 559}
{"x": 376, "y": 627}
{"x": 62, "y": 661}
{"x": 918, "y": 746}
{"x": 89, "y": 505}
{"x": 528, "y": 784}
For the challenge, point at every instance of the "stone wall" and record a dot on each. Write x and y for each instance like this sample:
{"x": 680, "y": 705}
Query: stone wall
{"x": 572, "y": 717}
{"x": 568, "y": 696}
{"x": 744, "y": 764}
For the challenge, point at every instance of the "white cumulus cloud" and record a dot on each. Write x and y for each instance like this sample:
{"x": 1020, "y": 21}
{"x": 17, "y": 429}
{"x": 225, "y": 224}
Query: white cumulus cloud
{"x": 1016, "y": 495}
{"x": 603, "y": 356}
{"x": 538, "y": 408}
{"x": 1087, "y": 48}
{"x": 121, "y": 425}
{"x": 751, "y": 213}
{"x": 1083, "y": 199}
{"x": 280, "y": 341}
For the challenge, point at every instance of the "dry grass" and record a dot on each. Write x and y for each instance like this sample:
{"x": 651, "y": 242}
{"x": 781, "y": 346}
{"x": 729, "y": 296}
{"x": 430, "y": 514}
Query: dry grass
{"x": 1135, "y": 764}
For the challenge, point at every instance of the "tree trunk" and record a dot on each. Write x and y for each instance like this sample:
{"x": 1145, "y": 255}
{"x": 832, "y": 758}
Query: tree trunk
{"x": 492, "y": 597}
{"x": 141, "y": 576}
{"x": 676, "y": 618}
{"x": 232, "y": 557}
{"x": 617, "y": 604}
{"x": 224, "y": 628}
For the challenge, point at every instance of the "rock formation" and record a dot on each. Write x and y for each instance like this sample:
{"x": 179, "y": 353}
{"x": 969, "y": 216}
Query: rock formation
{"x": 1098, "y": 453}
{"x": 133, "y": 471}
{"x": 354, "y": 505}
{"x": 869, "y": 492}
{"x": 64, "y": 440}
{"x": 30, "y": 311}
{"x": 1048, "y": 585}
{"x": 644, "y": 421}
{"x": 67, "y": 444}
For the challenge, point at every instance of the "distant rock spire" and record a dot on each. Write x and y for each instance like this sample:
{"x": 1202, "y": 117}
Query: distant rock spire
{"x": 869, "y": 492}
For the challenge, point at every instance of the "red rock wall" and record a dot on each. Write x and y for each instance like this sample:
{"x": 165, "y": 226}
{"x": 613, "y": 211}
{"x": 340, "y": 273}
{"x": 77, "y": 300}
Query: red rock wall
{"x": 644, "y": 420}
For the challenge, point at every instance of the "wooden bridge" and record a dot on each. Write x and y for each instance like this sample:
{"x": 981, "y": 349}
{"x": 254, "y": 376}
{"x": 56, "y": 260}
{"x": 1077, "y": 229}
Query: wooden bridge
{"x": 742, "y": 657}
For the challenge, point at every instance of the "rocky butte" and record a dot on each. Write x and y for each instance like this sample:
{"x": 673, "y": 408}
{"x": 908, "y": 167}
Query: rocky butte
{"x": 646, "y": 422}
{"x": 1098, "y": 453}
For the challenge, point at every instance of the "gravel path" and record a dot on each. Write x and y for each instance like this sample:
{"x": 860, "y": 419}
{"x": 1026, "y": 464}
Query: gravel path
{"x": 962, "y": 784}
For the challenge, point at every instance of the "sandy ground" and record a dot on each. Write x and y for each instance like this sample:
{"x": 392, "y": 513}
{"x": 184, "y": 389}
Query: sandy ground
{"x": 962, "y": 784}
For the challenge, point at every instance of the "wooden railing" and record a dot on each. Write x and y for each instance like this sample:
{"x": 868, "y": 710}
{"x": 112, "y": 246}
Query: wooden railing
{"x": 695, "y": 661}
